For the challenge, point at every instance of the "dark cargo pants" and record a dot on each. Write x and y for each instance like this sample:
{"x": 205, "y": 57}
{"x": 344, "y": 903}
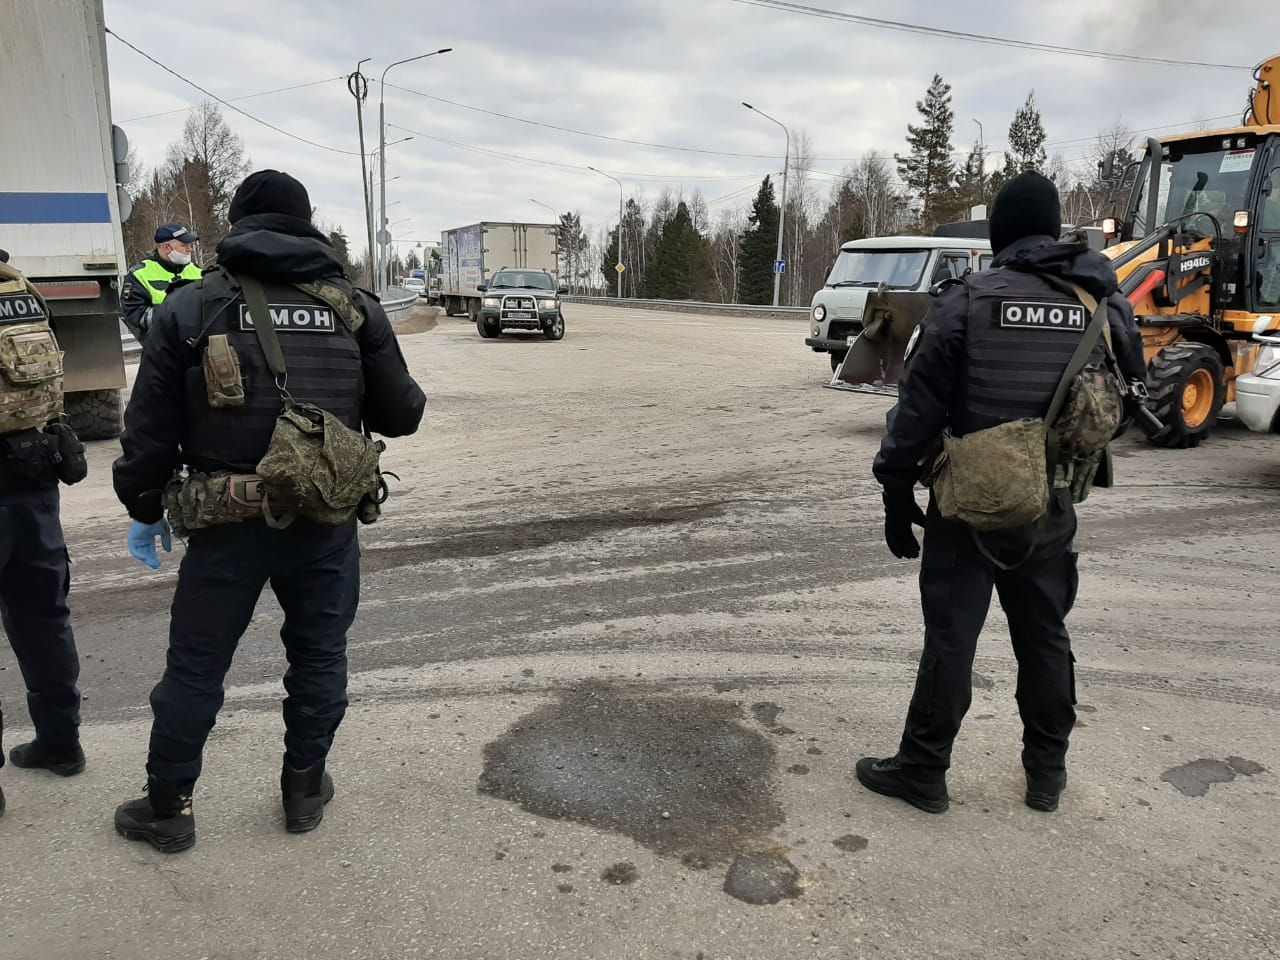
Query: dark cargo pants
{"x": 956, "y": 581}
{"x": 315, "y": 574}
{"x": 34, "y": 580}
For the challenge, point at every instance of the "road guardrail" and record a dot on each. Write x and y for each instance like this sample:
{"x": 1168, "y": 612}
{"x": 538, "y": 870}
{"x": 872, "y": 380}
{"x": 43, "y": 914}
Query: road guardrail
{"x": 694, "y": 306}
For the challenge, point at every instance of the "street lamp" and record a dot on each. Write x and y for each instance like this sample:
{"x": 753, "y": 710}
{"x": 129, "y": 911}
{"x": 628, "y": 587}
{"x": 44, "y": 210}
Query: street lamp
{"x": 382, "y": 123}
{"x": 374, "y": 271}
{"x": 358, "y": 84}
{"x": 982, "y": 163}
{"x": 782, "y": 210}
{"x": 557, "y": 223}
{"x": 619, "y": 183}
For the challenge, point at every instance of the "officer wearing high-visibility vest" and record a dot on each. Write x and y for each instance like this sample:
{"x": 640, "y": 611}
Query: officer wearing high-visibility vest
{"x": 146, "y": 285}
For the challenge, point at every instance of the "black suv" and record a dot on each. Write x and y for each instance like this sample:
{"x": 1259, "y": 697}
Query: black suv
{"x": 521, "y": 300}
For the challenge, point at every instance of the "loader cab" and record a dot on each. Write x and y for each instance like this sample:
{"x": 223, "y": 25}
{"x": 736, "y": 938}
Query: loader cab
{"x": 886, "y": 265}
{"x": 1197, "y": 253}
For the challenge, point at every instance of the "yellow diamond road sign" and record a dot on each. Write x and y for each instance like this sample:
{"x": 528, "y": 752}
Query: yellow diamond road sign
{"x": 619, "y": 267}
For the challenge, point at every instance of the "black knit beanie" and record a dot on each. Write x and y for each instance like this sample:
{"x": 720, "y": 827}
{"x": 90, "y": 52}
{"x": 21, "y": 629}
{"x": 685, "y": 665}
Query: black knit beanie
{"x": 1027, "y": 206}
{"x": 270, "y": 191}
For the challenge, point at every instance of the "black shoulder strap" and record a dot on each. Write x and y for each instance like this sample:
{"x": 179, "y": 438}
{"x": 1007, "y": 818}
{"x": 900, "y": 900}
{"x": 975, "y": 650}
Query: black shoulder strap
{"x": 256, "y": 297}
{"x": 1081, "y": 355}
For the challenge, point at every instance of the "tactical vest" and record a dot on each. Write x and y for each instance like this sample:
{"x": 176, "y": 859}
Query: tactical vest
{"x": 155, "y": 278}
{"x": 323, "y": 360}
{"x": 30, "y": 361}
{"x": 1021, "y": 333}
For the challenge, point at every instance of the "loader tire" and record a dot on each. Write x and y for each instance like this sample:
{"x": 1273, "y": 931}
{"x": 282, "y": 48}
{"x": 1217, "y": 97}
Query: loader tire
{"x": 94, "y": 414}
{"x": 1188, "y": 389}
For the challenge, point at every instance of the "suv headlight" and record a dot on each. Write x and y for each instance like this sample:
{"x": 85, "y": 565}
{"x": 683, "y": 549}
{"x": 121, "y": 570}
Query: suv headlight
{"x": 1268, "y": 359}
{"x": 547, "y": 304}
{"x": 492, "y": 302}
{"x": 819, "y": 313}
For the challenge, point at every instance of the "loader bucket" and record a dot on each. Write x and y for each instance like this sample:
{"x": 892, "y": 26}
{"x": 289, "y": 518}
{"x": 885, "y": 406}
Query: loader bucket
{"x": 876, "y": 357}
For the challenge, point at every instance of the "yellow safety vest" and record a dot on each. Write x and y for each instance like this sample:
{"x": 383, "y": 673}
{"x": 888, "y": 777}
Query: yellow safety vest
{"x": 155, "y": 278}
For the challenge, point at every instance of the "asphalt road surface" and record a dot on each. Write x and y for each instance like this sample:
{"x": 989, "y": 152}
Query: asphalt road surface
{"x": 627, "y": 623}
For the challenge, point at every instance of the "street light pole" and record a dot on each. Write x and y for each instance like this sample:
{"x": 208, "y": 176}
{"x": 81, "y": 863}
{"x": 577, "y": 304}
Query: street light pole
{"x": 619, "y": 183}
{"x": 982, "y": 163}
{"x": 358, "y": 84}
{"x": 382, "y": 129}
{"x": 782, "y": 210}
{"x": 557, "y": 222}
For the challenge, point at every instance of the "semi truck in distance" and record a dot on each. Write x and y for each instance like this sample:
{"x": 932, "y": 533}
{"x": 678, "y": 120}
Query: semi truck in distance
{"x": 473, "y": 254}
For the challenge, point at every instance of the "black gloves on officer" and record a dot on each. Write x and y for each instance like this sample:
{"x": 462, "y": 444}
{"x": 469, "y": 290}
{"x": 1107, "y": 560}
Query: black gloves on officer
{"x": 901, "y": 512}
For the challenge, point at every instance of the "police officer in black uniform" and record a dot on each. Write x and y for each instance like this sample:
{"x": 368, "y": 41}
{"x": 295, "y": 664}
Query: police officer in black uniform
{"x": 975, "y": 366}
{"x": 360, "y": 378}
{"x": 34, "y": 566}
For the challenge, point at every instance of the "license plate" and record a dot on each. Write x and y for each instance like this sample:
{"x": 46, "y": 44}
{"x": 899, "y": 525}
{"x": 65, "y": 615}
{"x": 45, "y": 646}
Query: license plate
{"x": 519, "y": 314}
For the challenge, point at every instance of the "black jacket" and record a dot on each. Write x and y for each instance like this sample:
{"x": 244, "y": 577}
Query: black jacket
{"x": 272, "y": 247}
{"x": 928, "y": 393}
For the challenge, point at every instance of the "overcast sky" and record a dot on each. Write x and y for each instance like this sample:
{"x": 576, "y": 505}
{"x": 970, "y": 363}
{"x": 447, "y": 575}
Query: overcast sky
{"x": 668, "y": 72}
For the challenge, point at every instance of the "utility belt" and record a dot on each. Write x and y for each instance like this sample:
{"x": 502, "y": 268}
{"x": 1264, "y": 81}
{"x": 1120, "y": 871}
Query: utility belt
{"x": 197, "y": 501}
{"x": 200, "y": 500}
{"x": 38, "y": 459}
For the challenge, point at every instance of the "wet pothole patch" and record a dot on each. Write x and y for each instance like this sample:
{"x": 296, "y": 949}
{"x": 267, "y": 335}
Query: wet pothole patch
{"x": 680, "y": 775}
{"x": 1195, "y": 778}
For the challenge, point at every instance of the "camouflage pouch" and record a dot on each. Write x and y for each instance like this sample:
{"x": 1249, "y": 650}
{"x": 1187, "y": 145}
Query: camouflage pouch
{"x": 993, "y": 479}
{"x": 1092, "y": 414}
{"x": 317, "y": 467}
{"x": 30, "y": 376}
{"x": 222, "y": 378}
{"x": 202, "y": 500}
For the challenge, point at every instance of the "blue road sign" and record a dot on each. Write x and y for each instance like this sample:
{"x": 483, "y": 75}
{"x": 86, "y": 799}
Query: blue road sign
{"x": 779, "y": 266}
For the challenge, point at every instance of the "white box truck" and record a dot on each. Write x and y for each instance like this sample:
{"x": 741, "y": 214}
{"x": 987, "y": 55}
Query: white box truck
{"x": 473, "y": 254}
{"x": 59, "y": 197}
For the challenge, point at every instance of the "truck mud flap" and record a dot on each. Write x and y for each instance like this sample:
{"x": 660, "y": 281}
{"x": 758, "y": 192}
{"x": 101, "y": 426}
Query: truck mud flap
{"x": 876, "y": 358}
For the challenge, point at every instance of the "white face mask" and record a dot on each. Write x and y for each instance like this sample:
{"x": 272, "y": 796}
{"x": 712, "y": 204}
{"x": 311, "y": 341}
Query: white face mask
{"x": 179, "y": 259}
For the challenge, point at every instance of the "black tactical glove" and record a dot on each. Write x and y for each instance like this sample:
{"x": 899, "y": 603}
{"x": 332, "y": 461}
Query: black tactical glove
{"x": 900, "y": 512}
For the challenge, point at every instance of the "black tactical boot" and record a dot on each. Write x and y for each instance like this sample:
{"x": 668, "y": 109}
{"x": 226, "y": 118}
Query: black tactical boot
{"x": 1044, "y": 790}
{"x": 163, "y": 818}
{"x": 64, "y": 761}
{"x": 305, "y": 792}
{"x": 887, "y": 777}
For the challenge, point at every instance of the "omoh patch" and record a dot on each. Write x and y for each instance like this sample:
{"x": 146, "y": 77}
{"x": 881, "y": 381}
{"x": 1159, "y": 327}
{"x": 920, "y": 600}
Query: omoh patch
{"x": 1034, "y": 315}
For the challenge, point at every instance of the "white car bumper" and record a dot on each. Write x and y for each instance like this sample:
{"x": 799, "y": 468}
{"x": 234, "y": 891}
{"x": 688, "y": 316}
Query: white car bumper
{"x": 1257, "y": 402}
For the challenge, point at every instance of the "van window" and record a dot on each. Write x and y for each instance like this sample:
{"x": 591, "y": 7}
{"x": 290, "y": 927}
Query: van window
{"x": 897, "y": 269}
{"x": 984, "y": 260}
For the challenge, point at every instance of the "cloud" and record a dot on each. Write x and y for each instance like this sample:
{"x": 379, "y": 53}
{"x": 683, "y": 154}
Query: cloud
{"x": 662, "y": 71}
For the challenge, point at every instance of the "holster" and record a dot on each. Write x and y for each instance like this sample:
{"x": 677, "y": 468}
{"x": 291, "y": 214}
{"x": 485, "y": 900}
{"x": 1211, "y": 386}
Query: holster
{"x": 201, "y": 500}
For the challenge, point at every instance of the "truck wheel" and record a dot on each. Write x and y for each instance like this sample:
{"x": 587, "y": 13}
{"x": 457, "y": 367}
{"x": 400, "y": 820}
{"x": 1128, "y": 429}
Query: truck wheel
{"x": 473, "y": 311}
{"x": 94, "y": 414}
{"x": 836, "y": 360}
{"x": 555, "y": 329}
{"x": 1188, "y": 389}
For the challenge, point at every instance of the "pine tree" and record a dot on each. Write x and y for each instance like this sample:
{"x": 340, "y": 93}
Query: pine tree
{"x": 342, "y": 249}
{"x": 928, "y": 169}
{"x": 1026, "y": 139}
{"x": 680, "y": 258}
{"x": 971, "y": 182}
{"x": 759, "y": 245}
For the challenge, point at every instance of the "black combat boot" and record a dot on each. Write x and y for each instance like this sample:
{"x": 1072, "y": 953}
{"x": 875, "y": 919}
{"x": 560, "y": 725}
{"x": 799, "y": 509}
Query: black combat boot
{"x": 1044, "y": 790}
{"x": 887, "y": 777}
{"x": 305, "y": 792}
{"x": 64, "y": 761}
{"x": 163, "y": 818}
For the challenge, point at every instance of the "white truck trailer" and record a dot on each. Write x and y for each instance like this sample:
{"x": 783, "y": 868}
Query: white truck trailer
{"x": 471, "y": 255}
{"x": 60, "y": 200}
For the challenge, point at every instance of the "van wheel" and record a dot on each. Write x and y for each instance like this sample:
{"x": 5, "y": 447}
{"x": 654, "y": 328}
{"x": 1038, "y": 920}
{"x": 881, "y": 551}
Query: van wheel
{"x": 94, "y": 414}
{"x": 1188, "y": 389}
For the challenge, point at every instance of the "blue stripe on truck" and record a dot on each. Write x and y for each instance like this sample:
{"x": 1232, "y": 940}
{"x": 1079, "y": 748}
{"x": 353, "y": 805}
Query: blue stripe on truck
{"x": 54, "y": 208}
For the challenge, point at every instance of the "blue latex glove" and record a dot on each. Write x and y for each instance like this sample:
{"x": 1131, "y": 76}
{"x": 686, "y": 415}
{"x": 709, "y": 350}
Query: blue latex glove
{"x": 142, "y": 541}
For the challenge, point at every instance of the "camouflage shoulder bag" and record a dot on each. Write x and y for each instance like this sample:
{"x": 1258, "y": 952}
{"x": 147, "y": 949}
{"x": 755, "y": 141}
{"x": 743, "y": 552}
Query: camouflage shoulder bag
{"x": 316, "y": 467}
{"x": 998, "y": 478}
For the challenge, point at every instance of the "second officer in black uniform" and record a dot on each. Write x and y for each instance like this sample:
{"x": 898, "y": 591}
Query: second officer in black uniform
{"x": 177, "y": 420}
{"x": 979, "y": 362}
